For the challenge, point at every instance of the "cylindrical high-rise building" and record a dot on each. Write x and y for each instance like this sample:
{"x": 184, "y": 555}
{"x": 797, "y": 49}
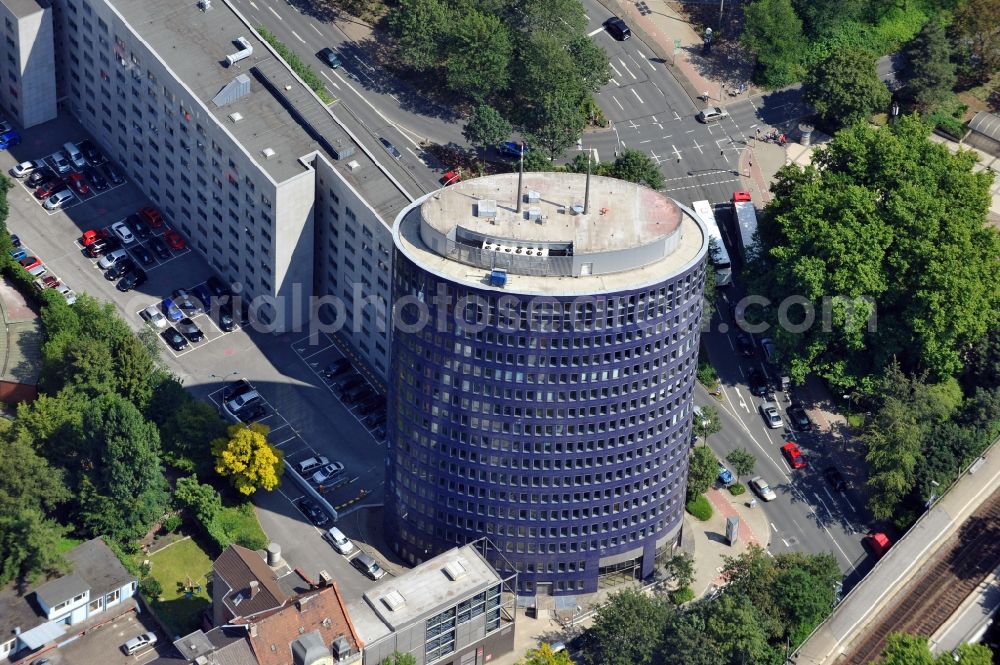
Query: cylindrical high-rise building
{"x": 542, "y": 367}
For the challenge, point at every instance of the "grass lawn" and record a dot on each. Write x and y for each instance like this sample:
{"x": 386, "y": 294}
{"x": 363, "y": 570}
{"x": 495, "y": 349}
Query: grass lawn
{"x": 174, "y": 567}
{"x": 66, "y": 544}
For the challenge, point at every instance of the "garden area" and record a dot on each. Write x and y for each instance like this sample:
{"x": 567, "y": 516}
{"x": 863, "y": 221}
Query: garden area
{"x": 181, "y": 571}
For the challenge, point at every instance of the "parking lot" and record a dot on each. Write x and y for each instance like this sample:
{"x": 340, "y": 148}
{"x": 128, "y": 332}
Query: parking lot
{"x": 86, "y": 181}
{"x": 102, "y": 646}
{"x": 304, "y": 416}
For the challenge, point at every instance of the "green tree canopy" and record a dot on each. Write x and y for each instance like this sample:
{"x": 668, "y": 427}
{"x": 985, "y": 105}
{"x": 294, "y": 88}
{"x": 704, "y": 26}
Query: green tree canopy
{"x": 932, "y": 72}
{"x": 29, "y": 546}
{"x": 479, "y": 62}
{"x": 398, "y": 658}
{"x": 628, "y": 628}
{"x": 977, "y": 29}
{"x": 636, "y": 166}
{"x": 245, "y": 456}
{"x": 201, "y": 499}
{"x": 742, "y": 460}
{"x": 886, "y": 231}
{"x": 703, "y": 467}
{"x": 845, "y": 88}
{"x": 773, "y": 32}
{"x": 556, "y": 124}
{"x": 419, "y": 27}
{"x": 486, "y": 127}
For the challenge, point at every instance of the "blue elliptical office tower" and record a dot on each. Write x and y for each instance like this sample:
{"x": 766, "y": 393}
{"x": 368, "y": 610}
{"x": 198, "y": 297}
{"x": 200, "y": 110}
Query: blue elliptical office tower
{"x": 543, "y": 361}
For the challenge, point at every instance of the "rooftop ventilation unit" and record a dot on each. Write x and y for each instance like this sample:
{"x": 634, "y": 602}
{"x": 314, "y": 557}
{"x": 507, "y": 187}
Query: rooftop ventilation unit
{"x": 341, "y": 648}
{"x": 532, "y": 196}
{"x": 486, "y": 209}
{"x": 353, "y": 165}
{"x": 205, "y": 5}
{"x": 456, "y": 569}
{"x": 393, "y": 600}
{"x": 236, "y": 89}
{"x": 235, "y": 116}
{"x": 268, "y": 153}
{"x": 246, "y": 50}
{"x": 324, "y": 578}
{"x": 534, "y": 214}
{"x": 577, "y": 209}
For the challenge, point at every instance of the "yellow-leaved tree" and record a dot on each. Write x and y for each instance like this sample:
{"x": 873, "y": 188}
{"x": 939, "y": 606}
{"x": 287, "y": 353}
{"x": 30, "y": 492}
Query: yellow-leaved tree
{"x": 246, "y": 457}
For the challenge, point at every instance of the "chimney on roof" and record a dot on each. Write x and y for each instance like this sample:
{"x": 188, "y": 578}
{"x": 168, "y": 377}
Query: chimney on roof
{"x": 253, "y": 630}
{"x": 586, "y": 192}
{"x": 520, "y": 179}
{"x": 254, "y": 588}
{"x": 324, "y": 578}
{"x": 303, "y": 603}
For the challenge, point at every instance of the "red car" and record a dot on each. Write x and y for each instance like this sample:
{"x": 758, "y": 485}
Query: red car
{"x": 793, "y": 455}
{"x": 451, "y": 177}
{"x": 77, "y": 182}
{"x": 175, "y": 240}
{"x": 90, "y": 236}
{"x": 30, "y": 262}
{"x": 151, "y": 216}
{"x": 49, "y": 282}
{"x": 48, "y": 189}
{"x": 879, "y": 543}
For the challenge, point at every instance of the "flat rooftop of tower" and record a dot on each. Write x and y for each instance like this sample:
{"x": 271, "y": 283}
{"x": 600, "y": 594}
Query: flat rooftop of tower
{"x": 279, "y": 114}
{"x": 620, "y": 215}
{"x": 630, "y": 236}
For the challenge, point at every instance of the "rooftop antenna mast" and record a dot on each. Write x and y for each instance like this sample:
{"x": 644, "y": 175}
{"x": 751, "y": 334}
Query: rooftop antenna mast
{"x": 586, "y": 192}
{"x": 520, "y": 178}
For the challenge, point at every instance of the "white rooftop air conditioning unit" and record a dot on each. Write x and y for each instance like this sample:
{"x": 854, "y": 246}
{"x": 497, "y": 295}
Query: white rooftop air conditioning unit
{"x": 245, "y": 51}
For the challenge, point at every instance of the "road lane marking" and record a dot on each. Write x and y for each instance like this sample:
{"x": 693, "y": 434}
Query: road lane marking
{"x": 646, "y": 60}
{"x": 655, "y": 157}
{"x": 297, "y": 37}
{"x": 329, "y": 79}
{"x": 275, "y": 13}
{"x": 316, "y": 29}
{"x": 618, "y": 102}
{"x": 677, "y": 152}
{"x": 646, "y": 141}
{"x": 637, "y": 96}
{"x": 699, "y": 148}
{"x": 774, "y": 527}
{"x": 594, "y": 32}
{"x": 655, "y": 120}
{"x": 627, "y": 69}
{"x": 615, "y": 69}
{"x": 676, "y": 117}
{"x": 253, "y": 5}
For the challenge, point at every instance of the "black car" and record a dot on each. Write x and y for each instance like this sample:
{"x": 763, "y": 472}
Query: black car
{"x": 348, "y": 382}
{"x": 835, "y": 478}
{"x": 14, "y": 240}
{"x": 133, "y": 279}
{"x": 102, "y": 246}
{"x": 236, "y": 389}
{"x": 174, "y": 339}
{"x": 371, "y": 404}
{"x": 757, "y": 381}
{"x": 617, "y": 28}
{"x": 218, "y": 287}
{"x": 96, "y": 180}
{"x": 138, "y": 227}
{"x": 330, "y": 57}
{"x": 799, "y": 418}
{"x": 375, "y": 418}
{"x": 225, "y": 319}
{"x": 91, "y": 152}
{"x": 114, "y": 175}
{"x": 252, "y": 412}
{"x": 201, "y": 293}
{"x": 140, "y": 252}
{"x": 744, "y": 343}
{"x": 119, "y": 268}
{"x": 313, "y": 512}
{"x": 159, "y": 248}
{"x": 190, "y": 329}
{"x": 336, "y": 368}
{"x": 40, "y": 177}
{"x": 187, "y": 304}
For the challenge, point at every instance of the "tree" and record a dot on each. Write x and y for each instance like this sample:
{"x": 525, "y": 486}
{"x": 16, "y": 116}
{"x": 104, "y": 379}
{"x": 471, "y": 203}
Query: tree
{"x": 773, "y": 32}
{"x": 734, "y": 624}
{"x": 685, "y": 641}
{"x": 419, "y": 27}
{"x": 543, "y": 656}
{"x": 187, "y": 435}
{"x": 486, "y": 127}
{"x": 680, "y": 567}
{"x": 201, "y": 499}
{"x": 563, "y": 19}
{"x": 557, "y": 124}
{"x": 932, "y": 75}
{"x": 628, "y": 628}
{"x": 903, "y": 649}
{"x": 742, "y": 460}
{"x": 823, "y": 18}
{"x": 591, "y": 62}
{"x": 977, "y": 29}
{"x": 969, "y": 654}
{"x": 480, "y": 51}
{"x": 248, "y": 459}
{"x": 36, "y": 484}
{"x": 886, "y": 233}
{"x": 29, "y": 546}
{"x": 535, "y": 160}
{"x": 398, "y": 658}
{"x": 703, "y": 467}
{"x": 845, "y": 88}
{"x": 636, "y": 166}
{"x": 707, "y": 422}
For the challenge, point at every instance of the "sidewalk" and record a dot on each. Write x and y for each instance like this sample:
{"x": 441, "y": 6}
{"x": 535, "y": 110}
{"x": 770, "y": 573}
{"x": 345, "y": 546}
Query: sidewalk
{"x": 710, "y": 544}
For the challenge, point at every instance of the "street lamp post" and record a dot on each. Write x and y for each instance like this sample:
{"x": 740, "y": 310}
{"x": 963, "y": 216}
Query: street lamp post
{"x": 225, "y": 379}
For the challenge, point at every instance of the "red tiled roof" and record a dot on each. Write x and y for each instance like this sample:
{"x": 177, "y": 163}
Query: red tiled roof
{"x": 237, "y": 567}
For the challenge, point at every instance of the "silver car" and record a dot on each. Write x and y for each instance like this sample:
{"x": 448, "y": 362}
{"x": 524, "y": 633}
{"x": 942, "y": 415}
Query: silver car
{"x": 769, "y": 411}
{"x": 758, "y": 485}
{"x": 712, "y": 114}
{"x": 139, "y": 642}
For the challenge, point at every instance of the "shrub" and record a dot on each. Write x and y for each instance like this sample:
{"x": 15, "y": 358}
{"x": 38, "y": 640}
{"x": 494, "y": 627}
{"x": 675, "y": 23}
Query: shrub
{"x": 707, "y": 375}
{"x": 172, "y": 523}
{"x": 304, "y": 71}
{"x": 737, "y": 488}
{"x": 151, "y": 588}
{"x": 237, "y": 524}
{"x": 700, "y": 508}
{"x": 682, "y": 595}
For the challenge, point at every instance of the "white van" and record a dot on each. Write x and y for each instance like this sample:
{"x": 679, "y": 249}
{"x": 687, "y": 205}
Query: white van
{"x": 340, "y": 542}
{"x": 75, "y": 156}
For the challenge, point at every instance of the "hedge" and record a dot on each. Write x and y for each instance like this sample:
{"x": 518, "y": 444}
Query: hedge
{"x": 700, "y": 508}
{"x": 737, "y": 488}
{"x": 304, "y": 71}
{"x": 682, "y": 595}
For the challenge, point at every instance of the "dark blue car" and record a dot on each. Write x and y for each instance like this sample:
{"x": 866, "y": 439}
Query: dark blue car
{"x": 512, "y": 149}
{"x": 9, "y": 139}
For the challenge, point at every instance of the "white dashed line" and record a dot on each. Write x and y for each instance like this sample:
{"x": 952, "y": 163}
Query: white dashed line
{"x": 615, "y": 69}
{"x": 594, "y": 32}
{"x": 329, "y": 79}
{"x": 618, "y": 102}
{"x": 276, "y": 14}
{"x": 627, "y": 69}
{"x": 316, "y": 29}
{"x": 637, "y": 96}
{"x": 297, "y": 37}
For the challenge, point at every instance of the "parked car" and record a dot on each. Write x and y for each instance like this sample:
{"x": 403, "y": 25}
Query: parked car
{"x": 835, "y": 478}
{"x": 121, "y": 230}
{"x": 712, "y": 114}
{"x": 112, "y": 258}
{"x": 793, "y": 455}
{"x": 340, "y": 542}
{"x": 225, "y": 320}
{"x": 769, "y": 411}
{"x": 159, "y": 248}
{"x": 60, "y": 199}
{"x": 174, "y": 339}
{"x": 154, "y": 317}
{"x": 151, "y": 216}
{"x": 218, "y": 287}
{"x": 91, "y": 152}
{"x": 757, "y": 381}
{"x": 78, "y": 183}
{"x": 41, "y": 175}
{"x": 313, "y": 512}
{"x": 139, "y": 642}
{"x": 725, "y": 476}
{"x": 48, "y": 188}
{"x": 236, "y": 388}
{"x": 140, "y": 252}
{"x": 24, "y": 168}
{"x": 18, "y": 253}
{"x": 311, "y": 464}
{"x": 762, "y": 489}
{"x": 115, "y": 176}
{"x": 14, "y": 240}
{"x": 170, "y": 310}
{"x": 119, "y": 268}
{"x": 451, "y": 176}
{"x": 744, "y": 343}
{"x": 203, "y": 297}
{"x": 242, "y": 401}
{"x": 878, "y": 543}
{"x": 30, "y": 262}
{"x": 617, "y": 28}
{"x": 331, "y": 470}
{"x": 330, "y": 57}
{"x": 174, "y": 240}
{"x": 102, "y": 246}
{"x": 62, "y": 162}
{"x": 374, "y": 419}
{"x": 67, "y": 293}
{"x": 390, "y": 148}
{"x": 188, "y": 304}
{"x": 132, "y": 279}
{"x": 512, "y": 149}
{"x": 252, "y": 412}
{"x": 368, "y": 565}
{"x": 9, "y": 139}
{"x": 190, "y": 329}
{"x": 47, "y": 282}
{"x": 336, "y": 368}
{"x": 90, "y": 236}
{"x": 139, "y": 228}
{"x": 798, "y": 418}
